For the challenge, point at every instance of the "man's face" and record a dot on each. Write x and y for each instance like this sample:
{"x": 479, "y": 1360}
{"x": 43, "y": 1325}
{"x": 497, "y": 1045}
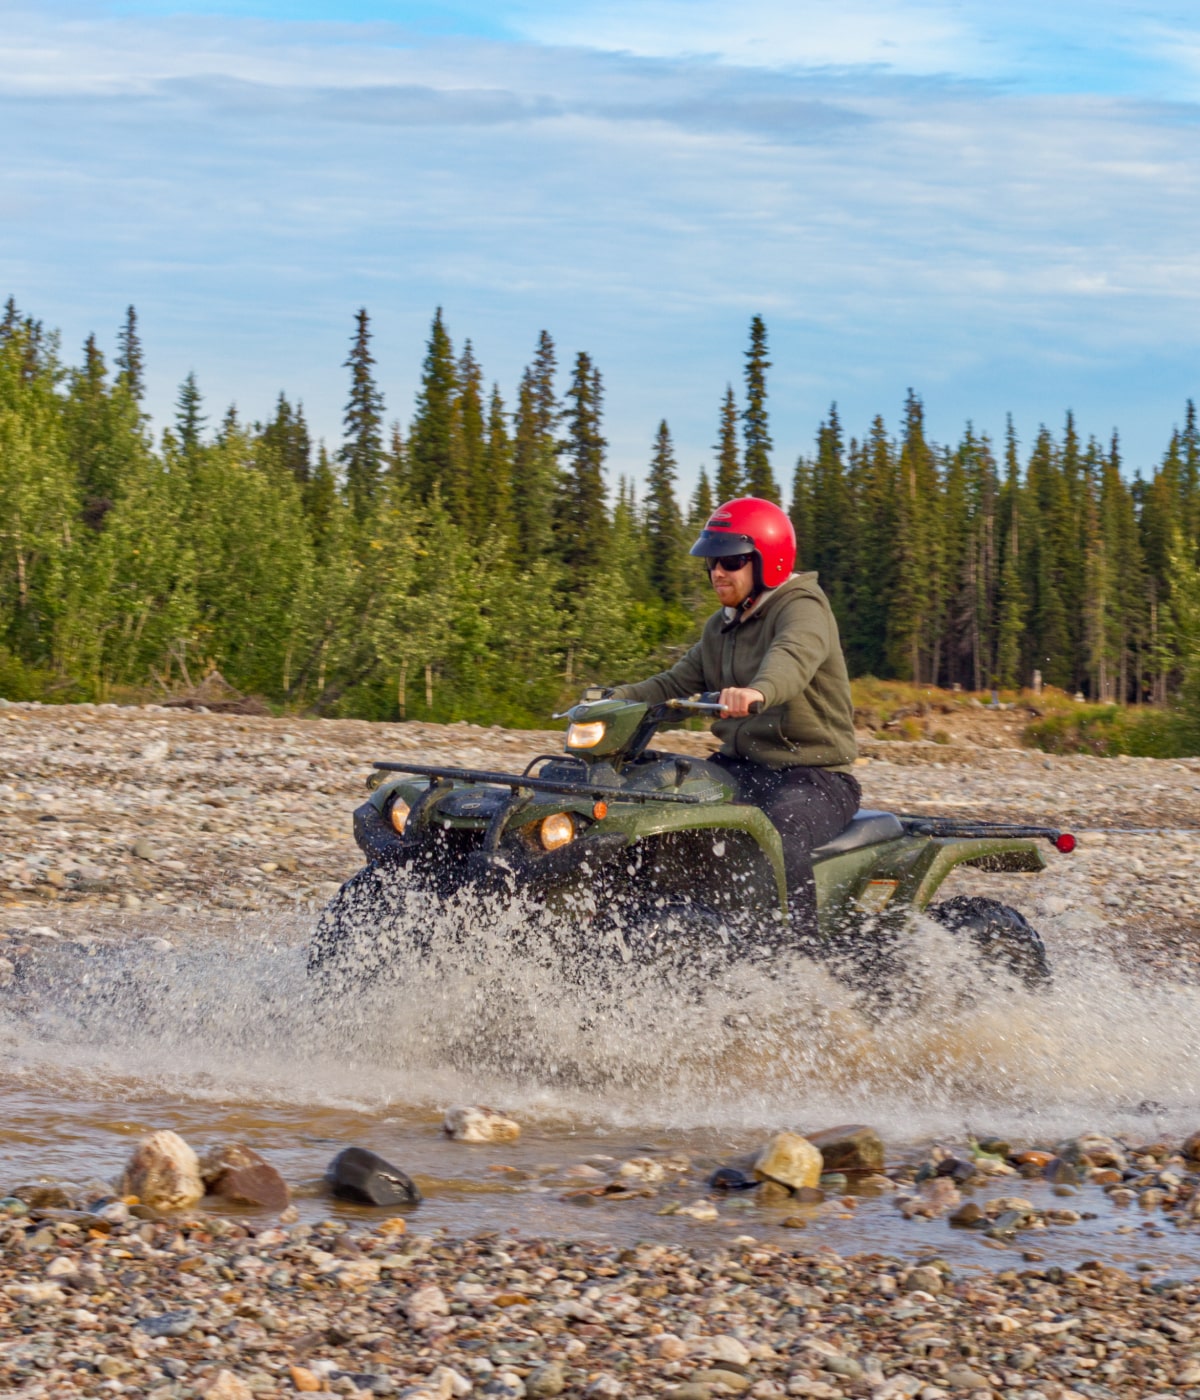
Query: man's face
{"x": 732, "y": 586}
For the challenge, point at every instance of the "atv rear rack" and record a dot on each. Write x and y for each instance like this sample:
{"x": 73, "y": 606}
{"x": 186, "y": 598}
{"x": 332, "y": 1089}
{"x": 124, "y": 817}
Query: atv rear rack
{"x": 516, "y": 781}
{"x": 949, "y": 827}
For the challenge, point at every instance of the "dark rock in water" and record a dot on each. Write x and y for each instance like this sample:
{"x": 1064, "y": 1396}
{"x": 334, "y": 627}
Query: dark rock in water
{"x": 1060, "y": 1172}
{"x": 956, "y": 1168}
{"x": 731, "y": 1179}
{"x": 851, "y": 1147}
{"x": 234, "y": 1172}
{"x": 968, "y": 1216}
{"x": 358, "y": 1175}
{"x": 170, "y": 1324}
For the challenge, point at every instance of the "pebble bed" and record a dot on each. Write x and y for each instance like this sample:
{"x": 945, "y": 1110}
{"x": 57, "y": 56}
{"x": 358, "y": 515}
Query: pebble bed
{"x": 212, "y": 1308}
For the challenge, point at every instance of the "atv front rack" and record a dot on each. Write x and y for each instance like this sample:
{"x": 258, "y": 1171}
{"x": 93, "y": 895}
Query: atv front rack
{"x": 516, "y": 781}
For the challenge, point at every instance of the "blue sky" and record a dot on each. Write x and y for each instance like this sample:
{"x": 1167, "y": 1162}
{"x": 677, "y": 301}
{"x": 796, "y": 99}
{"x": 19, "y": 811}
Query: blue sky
{"x": 993, "y": 204}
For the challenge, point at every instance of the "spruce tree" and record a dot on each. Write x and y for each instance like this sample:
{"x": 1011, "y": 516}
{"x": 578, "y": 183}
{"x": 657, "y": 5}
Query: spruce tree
{"x": 361, "y": 454}
{"x": 1010, "y": 603}
{"x": 729, "y": 468}
{"x": 468, "y": 490}
{"x": 702, "y": 505}
{"x": 535, "y": 453}
{"x": 664, "y": 525}
{"x": 130, "y": 361}
{"x": 496, "y": 472}
{"x": 918, "y": 572}
{"x": 581, "y": 522}
{"x": 189, "y": 421}
{"x": 832, "y": 526}
{"x": 759, "y": 479}
{"x": 286, "y": 441}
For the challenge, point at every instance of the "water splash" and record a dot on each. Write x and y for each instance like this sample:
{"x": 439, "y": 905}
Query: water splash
{"x": 497, "y": 1007}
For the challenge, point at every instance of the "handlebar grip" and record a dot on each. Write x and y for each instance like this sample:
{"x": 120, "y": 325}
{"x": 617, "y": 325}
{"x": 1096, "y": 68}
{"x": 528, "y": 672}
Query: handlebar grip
{"x": 755, "y": 707}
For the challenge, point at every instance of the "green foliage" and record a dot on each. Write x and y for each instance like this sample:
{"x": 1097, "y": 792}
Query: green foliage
{"x": 479, "y": 570}
{"x": 1110, "y": 730}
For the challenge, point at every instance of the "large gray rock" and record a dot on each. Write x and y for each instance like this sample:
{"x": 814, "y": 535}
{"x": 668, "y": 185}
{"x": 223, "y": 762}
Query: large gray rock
{"x": 356, "y": 1174}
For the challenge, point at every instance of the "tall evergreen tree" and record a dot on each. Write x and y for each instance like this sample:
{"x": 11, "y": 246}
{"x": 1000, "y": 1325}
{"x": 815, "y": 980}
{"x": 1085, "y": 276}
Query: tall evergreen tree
{"x": 729, "y": 482}
{"x": 831, "y": 547}
{"x": 468, "y": 490}
{"x": 497, "y": 470}
{"x": 759, "y": 479}
{"x": 580, "y": 517}
{"x": 702, "y": 503}
{"x": 431, "y": 438}
{"x": 131, "y": 361}
{"x": 287, "y": 443}
{"x": 361, "y": 454}
{"x": 664, "y": 525}
{"x": 535, "y": 452}
{"x": 189, "y": 421}
{"x": 918, "y": 567}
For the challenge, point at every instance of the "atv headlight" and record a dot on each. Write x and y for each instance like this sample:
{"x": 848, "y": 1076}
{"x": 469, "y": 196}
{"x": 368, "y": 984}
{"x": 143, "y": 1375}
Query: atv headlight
{"x": 399, "y": 815}
{"x": 586, "y": 736}
{"x": 557, "y": 830}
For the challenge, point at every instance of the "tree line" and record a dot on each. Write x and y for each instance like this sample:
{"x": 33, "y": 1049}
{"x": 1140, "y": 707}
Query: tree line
{"x": 477, "y": 562}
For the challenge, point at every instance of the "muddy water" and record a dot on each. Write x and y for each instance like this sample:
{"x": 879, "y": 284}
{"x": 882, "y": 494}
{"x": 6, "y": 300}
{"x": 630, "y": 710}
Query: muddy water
{"x": 223, "y": 1037}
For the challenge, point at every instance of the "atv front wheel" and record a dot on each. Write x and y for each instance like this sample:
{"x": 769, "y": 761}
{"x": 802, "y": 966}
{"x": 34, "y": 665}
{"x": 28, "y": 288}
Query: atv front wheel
{"x": 1006, "y": 941}
{"x": 365, "y": 929}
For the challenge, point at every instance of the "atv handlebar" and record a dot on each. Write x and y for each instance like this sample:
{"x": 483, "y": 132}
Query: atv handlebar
{"x": 708, "y": 700}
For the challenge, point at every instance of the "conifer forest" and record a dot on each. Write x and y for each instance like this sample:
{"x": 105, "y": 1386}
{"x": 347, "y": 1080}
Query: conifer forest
{"x": 479, "y": 562}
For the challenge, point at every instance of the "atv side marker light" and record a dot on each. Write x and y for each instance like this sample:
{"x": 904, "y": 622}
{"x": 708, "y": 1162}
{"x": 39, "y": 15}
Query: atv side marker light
{"x": 399, "y": 815}
{"x": 556, "y": 831}
{"x": 586, "y": 736}
{"x": 1065, "y": 843}
{"x": 600, "y": 811}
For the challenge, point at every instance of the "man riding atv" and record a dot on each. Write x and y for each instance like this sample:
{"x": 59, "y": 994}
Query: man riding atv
{"x": 773, "y": 652}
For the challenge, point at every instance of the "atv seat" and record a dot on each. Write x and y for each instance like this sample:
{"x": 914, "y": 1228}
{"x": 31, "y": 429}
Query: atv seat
{"x": 865, "y": 828}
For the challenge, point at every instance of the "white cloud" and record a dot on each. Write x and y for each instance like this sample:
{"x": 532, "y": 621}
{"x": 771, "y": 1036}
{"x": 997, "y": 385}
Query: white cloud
{"x": 249, "y": 184}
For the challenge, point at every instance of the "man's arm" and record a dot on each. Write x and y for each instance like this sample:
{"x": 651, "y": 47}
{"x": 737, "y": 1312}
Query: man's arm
{"x": 800, "y": 645}
{"x": 686, "y": 677}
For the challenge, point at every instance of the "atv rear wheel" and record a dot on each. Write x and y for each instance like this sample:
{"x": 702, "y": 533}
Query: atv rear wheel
{"x": 1007, "y": 942}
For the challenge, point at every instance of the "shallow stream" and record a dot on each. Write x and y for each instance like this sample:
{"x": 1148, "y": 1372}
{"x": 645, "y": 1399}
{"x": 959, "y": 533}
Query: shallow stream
{"x": 220, "y": 1037}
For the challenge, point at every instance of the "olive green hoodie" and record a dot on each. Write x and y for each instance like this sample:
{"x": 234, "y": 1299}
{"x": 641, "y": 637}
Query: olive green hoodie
{"x": 786, "y": 646}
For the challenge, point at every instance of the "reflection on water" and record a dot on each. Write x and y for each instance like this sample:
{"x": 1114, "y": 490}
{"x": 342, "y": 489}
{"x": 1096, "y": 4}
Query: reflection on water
{"x": 224, "y": 1038}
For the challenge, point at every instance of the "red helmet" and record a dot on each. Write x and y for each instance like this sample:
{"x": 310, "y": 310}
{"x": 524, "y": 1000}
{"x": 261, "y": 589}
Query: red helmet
{"x": 751, "y": 524}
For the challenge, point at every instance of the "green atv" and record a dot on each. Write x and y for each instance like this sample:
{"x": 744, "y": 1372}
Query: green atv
{"x": 646, "y": 855}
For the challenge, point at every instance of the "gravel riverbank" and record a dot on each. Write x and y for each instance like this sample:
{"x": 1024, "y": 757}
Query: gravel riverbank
{"x": 210, "y": 1308}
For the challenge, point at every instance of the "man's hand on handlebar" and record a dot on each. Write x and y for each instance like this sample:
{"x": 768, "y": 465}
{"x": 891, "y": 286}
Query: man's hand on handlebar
{"x": 736, "y": 701}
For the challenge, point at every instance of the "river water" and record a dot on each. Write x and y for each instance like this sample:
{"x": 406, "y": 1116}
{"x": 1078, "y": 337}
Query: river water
{"x": 221, "y": 1037}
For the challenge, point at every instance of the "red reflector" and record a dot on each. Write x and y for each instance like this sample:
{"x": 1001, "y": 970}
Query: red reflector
{"x": 600, "y": 811}
{"x": 1065, "y": 843}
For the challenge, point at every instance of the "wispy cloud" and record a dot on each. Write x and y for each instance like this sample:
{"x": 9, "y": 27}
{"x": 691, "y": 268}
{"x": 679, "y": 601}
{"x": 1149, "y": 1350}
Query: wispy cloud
{"x": 637, "y": 183}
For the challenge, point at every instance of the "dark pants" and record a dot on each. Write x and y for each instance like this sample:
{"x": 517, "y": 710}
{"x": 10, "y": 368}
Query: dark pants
{"x": 808, "y": 807}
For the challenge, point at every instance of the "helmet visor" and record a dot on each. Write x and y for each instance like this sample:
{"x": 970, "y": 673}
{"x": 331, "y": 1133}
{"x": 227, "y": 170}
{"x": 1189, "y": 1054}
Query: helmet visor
{"x": 719, "y": 544}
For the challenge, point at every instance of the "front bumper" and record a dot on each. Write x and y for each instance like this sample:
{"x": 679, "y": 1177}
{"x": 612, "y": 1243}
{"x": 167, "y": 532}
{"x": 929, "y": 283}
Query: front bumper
{"x": 581, "y": 859}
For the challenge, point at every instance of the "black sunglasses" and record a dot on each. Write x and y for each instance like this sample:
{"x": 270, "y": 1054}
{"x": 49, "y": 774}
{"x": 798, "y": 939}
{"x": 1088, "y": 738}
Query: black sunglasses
{"x": 731, "y": 563}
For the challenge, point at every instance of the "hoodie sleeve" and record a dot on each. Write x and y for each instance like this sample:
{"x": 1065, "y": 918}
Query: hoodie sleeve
{"x": 686, "y": 677}
{"x": 797, "y": 650}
